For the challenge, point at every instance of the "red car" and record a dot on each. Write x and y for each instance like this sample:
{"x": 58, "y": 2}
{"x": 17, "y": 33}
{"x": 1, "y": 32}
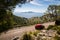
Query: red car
{"x": 39, "y": 26}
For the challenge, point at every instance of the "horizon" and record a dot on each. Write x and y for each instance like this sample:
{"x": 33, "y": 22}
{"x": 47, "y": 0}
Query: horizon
{"x": 29, "y": 14}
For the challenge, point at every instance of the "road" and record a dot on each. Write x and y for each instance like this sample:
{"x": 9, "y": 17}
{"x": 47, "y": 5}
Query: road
{"x": 17, "y": 32}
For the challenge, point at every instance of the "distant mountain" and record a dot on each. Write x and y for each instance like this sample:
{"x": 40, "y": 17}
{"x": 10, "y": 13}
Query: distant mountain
{"x": 28, "y": 14}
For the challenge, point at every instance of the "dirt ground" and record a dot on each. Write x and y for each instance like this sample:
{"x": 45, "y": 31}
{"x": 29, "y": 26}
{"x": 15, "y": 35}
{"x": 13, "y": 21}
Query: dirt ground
{"x": 17, "y": 32}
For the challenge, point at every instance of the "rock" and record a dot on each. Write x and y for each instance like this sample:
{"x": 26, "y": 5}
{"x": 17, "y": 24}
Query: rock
{"x": 16, "y": 38}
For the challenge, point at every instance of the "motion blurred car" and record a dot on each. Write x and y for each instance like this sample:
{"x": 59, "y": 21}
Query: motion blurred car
{"x": 39, "y": 27}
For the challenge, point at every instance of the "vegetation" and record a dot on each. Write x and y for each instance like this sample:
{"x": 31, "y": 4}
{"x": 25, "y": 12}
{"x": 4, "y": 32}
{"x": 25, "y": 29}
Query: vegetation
{"x": 30, "y": 35}
{"x": 52, "y": 14}
{"x": 27, "y": 37}
{"x": 57, "y": 28}
{"x": 35, "y": 35}
{"x": 55, "y": 10}
{"x": 50, "y": 27}
{"x": 57, "y": 38}
{"x": 57, "y": 22}
{"x": 6, "y": 15}
{"x": 20, "y": 21}
{"x": 8, "y": 20}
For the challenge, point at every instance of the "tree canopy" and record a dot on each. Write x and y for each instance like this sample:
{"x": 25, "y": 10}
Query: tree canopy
{"x": 6, "y": 15}
{"x": 11, "y": 3}
{"x": 54, "y": 9}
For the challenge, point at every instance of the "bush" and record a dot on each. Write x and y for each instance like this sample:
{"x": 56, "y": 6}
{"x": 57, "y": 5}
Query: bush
{"x": 27, "y": 37}
{"x": 57, "y": 22}
{"x": 58, "y": 32}
{"x": 4, "y": 28}
{"x": 36, "y": 32}
{"x": 50, "y": 27}
{"x": 57, "y": 38}
{"x": 57, "y": 28}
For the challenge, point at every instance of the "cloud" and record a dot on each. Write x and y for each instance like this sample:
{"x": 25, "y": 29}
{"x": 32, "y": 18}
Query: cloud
{"x": 52, "y": 0}
{"x": 36, "y": 3}
{"x": 29, "y": 9}
{"x": 48, "y": 0}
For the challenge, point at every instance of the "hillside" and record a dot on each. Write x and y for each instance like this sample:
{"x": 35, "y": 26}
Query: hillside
{"x": 20, "y": 20}
{"x": 33, "y": 20}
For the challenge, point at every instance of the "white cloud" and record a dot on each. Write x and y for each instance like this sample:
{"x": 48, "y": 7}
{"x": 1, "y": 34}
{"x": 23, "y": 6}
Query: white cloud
{"x": 36, "y": 3}
{"x": 51, "y": 0}
{"x": 33, "y": 10}
{"x": 48, "y": 0}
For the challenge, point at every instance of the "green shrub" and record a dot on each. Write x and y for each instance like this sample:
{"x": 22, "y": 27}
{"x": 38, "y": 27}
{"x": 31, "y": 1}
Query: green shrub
{"x": 35, "y": 33}
{"x": 27, "y": 37}
{"x": 57, "y": 22}
{"x": 30, "y": 35}
{"x": 50, "y": 27}
{"x": 4, "y": 28}
{"x": 57, "y": 38}
{"x": 58, "y": 32}
{"x": 57, "y": 28}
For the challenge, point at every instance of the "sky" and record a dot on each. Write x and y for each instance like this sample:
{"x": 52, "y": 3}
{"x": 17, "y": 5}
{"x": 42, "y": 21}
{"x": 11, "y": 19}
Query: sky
{"x": 39, "y": 6}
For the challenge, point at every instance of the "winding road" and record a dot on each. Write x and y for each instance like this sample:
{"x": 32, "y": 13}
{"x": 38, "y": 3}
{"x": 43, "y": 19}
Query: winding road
{"x": 17, "y": 32}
